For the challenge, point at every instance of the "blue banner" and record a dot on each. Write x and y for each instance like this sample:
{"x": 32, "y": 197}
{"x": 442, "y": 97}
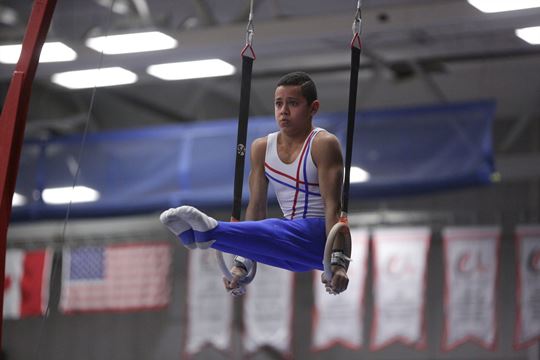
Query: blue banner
{"x": 396, "y": 152}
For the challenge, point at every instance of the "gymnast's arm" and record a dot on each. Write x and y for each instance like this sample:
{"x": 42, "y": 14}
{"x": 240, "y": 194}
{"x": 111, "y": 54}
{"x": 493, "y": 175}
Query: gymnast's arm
{"x": 258, "y": 183}
{"x": 327, "y": 155}
{"x": 257, "y": 206}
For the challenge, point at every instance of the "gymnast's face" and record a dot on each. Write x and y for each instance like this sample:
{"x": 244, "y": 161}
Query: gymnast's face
{"x": 291, "y": 109}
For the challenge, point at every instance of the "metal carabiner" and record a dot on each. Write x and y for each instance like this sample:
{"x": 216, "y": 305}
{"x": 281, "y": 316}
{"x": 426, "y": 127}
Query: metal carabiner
{"x": 357, "y": 24}
{"x": 250, "y": 29}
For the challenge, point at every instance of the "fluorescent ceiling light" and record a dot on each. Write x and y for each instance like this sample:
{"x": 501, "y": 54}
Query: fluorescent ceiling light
{"x": 18, "y": 200}
{"x": 83, "y": 79}
{"x": 51, "y": 52}
{"x": 65, "y": 195}
{"x": 191, "y": 69}
{"x": 358, "y": 175}
{"x": 530, "y": 34}
{"x": 493, "y": 6}
{"x": 131, "y": 43}
{"x": 8, "y": 16}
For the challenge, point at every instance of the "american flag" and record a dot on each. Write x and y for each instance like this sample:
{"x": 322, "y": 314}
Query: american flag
{"x": 115, "y": 277}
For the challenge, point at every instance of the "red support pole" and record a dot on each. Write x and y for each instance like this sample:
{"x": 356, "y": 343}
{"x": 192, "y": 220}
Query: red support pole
{"x": 13, "y": 118}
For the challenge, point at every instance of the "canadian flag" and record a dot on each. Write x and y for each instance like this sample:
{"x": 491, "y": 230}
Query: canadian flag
{"x": 26, "y": 283}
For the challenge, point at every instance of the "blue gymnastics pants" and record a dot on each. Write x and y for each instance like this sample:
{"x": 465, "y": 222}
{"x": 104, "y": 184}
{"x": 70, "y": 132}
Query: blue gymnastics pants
{"x": 295, "y": 245}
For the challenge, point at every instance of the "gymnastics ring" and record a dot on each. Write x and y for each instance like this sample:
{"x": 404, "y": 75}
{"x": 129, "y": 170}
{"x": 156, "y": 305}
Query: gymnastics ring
{"x": 225, "y": 270}
{"x": 342, "y": 227}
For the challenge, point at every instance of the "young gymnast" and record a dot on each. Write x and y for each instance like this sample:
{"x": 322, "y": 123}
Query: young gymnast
{"x": 305, "y": 166}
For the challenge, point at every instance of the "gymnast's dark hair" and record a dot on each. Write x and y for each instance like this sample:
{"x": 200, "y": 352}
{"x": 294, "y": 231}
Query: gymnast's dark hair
{"x": 299, "y": 78}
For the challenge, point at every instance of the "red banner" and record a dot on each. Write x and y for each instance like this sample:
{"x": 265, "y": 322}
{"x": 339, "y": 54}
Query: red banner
{"x": 26, "y": 283}
{"x": 527, "y": 328}
{"x": 471, "y": 263}
{"x": 400, "y": 261}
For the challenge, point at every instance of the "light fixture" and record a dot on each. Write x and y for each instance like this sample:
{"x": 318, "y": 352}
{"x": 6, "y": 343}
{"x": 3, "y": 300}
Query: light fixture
{"x": 493, "y": 6}
{"x": 8, "y": 16}
{"x": 358, "y": 175}
{"x": 65, "y": 195}
{"x": 530, "y": 34}
{"x": 18, "y": 200}
{"x": 51, "y": 52}
{"x": 83, "y": 79}
{"x": 131, "y": 43}
{"x": 191, "y": 69}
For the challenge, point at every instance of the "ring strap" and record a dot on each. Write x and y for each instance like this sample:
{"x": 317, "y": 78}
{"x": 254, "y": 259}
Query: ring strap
{"x": 241, "y": 149}
{"x": 353, "y": 90}
{"x": 241, "y": 138}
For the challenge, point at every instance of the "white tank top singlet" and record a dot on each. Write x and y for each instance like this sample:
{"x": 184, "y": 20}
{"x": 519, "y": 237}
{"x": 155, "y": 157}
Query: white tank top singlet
{"x": 296, "y": 184}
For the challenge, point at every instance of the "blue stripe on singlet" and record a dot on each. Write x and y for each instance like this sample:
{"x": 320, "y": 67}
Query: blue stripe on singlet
{"x": 288, "y": 185}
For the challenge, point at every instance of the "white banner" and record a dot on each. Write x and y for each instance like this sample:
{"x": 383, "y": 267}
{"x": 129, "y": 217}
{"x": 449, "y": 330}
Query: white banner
{"x": 528, "y": 288}
{"x": 471, "y": 263}
{"x": 338, "y": 319}
{"x": 208, "y": 303}
{"x": 400, "y": 259}
{"x": 269, "y": 309}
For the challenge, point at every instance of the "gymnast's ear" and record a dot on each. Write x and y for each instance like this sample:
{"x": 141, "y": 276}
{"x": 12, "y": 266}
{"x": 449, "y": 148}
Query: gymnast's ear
{"x": 314, "y": 107}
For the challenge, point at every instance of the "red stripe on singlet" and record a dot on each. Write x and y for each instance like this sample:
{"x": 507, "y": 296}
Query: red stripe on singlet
{"x": 286, "y": 175}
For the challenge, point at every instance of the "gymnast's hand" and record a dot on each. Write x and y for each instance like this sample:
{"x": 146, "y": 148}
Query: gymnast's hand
{"x": 234, "y": 287}
{"x": 339, "y": 281}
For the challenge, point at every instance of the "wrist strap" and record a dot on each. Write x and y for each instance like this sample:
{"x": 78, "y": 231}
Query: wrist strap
{"x": 243, "y": 262}
{"x": 339, "y": 258}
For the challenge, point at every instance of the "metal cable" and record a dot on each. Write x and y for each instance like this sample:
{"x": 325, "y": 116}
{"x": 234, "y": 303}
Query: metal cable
{"x": 62, "y": 240}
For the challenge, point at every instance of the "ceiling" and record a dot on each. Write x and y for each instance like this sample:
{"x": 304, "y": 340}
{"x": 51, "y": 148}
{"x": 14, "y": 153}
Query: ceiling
{"x": 414, "y": 52}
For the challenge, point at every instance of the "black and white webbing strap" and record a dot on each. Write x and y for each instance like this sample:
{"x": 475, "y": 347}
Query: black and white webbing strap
{"x": 248, "y": 56}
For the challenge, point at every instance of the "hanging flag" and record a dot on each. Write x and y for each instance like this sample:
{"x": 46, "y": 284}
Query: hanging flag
{"x": 26, "y": 283}
{"x": 209, "y": 305}
{"x": 527, "y": 329}
{"x": 115, "y": 277}
{"x": 338, "y": 319}
{"x": 471, "y": 262}
{"x": 400, "y": 262}
{"x": 269, "y": 309}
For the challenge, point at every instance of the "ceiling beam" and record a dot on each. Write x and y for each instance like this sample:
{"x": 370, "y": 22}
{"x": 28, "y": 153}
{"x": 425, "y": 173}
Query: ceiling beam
{"x": 142, "y": 9}
{"x": 204, "y": 13}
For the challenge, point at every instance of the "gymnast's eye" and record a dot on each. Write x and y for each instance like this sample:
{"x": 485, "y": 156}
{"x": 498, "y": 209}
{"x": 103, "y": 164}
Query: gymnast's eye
{"x": 292, "y": 103}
